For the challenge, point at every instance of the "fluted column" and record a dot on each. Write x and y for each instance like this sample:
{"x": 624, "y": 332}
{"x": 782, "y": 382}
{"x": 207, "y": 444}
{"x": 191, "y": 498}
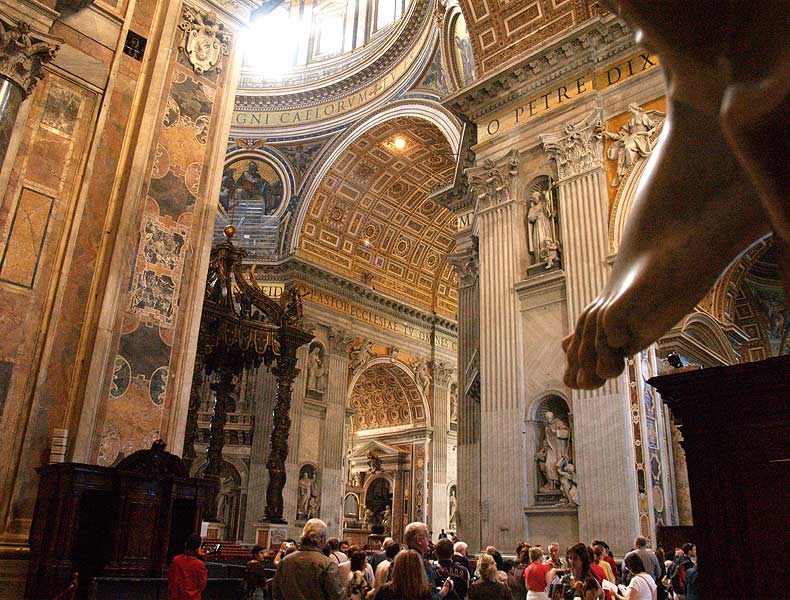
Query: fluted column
{"x": 441, "y": 425}
{"x": 501, "y": 214}
{"x": 23, "y": 52}
{"x": 333, "y": 448}
{"x": 265, "y": 390}
{"x": 468, "y": 512}
{"x": 604, "y": 462}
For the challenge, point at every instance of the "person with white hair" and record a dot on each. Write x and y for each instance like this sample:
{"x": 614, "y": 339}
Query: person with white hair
{"x": 459, "y": 554}
{"x": 308, "y": 574}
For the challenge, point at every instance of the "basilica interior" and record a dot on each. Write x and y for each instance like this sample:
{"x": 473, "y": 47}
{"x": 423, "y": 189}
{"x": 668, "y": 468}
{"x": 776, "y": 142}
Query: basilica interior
{"x": 403, "y": 206}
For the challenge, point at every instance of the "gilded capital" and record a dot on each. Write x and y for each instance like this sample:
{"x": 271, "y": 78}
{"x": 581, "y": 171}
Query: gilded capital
{"x": 23, "y": 52}
{"x": 578, "y": 148}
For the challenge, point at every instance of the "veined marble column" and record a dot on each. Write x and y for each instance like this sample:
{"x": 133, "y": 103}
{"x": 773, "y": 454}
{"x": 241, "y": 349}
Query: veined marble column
{"x": 22, "y": 56}
{"x": 502, "y": 236}
{"x": 468, "y": 512}
{"x": 333, "y": 455}
{"x": 602, "y": 442}
{"x": 264, "y": 392}
{"x": 440, "y": 399}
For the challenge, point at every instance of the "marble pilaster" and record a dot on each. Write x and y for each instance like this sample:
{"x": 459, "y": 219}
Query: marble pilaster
{"x": 264, "y": 391}
{"x": 607, "y": 505}
{"x": 440, "y": 400}
{"x": 333, "y": 447}
{"x": 468, "y": 512}
{"x": 290, "y": 492}
{"x": 501, "y": 214}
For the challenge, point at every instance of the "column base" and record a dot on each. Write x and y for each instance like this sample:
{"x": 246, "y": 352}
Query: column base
{"x": 270, "y": 534}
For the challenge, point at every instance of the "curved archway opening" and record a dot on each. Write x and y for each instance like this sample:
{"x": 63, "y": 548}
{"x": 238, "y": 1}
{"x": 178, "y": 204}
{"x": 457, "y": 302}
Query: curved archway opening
{"x": 388, "y": 437}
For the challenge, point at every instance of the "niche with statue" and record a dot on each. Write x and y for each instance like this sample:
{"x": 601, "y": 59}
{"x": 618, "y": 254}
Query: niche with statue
{"x": 556, "y": 471}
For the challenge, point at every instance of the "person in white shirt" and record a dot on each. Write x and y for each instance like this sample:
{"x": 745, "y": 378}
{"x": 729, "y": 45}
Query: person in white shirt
{"x": 642, "y": 586}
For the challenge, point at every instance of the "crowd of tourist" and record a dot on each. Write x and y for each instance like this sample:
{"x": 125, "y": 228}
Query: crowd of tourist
{"x": 321, "y": 568}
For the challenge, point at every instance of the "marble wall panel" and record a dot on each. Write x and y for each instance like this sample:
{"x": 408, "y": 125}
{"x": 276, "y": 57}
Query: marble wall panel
{"x": 29, "y": 223}
{"x": 38, "y": 209}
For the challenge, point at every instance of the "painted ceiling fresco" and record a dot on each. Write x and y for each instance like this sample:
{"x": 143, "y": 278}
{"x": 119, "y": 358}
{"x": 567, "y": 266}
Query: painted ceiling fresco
{"x": 371, "y": 218}
{"x": 385, "y": 396}
{"x": 501, "y": 30}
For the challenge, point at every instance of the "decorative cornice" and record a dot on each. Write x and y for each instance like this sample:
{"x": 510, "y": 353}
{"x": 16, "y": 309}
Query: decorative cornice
{"x": 250, "y": 96}
{"x": 578, "y": 149}
{"x": 297, "y": 268}
{"x": 23, "y": 52}
{"x": 594, "y": 43}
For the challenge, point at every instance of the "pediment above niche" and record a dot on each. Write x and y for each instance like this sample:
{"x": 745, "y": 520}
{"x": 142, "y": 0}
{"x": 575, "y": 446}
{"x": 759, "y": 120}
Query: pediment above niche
{"x": 378, "y": 448}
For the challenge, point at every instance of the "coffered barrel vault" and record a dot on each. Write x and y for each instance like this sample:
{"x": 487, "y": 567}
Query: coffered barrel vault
{"x": 372, "y": 216}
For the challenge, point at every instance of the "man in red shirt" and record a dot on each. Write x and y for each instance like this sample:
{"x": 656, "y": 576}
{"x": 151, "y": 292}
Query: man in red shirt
{"x": 186, "y": 577}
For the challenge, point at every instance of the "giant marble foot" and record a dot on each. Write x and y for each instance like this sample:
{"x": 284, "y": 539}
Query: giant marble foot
{"x": 711, "y": 184}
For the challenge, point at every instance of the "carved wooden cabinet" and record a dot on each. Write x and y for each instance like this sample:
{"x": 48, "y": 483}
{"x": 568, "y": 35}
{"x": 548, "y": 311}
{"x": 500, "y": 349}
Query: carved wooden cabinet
{"x": 735, "y": 423}
{"x": 126, "y": 521}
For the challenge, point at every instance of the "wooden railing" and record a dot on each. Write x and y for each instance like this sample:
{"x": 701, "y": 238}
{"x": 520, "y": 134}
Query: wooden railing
{"x": 69, "y": 592}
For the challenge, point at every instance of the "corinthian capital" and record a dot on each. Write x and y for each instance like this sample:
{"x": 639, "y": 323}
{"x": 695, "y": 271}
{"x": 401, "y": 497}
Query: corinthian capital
{"x": 442, "y": 374}
{"x": 467, "y": 265}
{"x": 493, "y": 183}
{"x": 23, "y": 52}
{"x": 578, "y": 148}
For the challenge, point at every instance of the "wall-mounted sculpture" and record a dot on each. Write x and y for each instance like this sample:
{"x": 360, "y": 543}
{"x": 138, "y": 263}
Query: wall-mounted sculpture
{"x": 544, "y": 243}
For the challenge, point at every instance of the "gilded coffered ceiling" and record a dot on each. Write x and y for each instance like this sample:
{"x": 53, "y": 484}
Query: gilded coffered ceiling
{"x": 385, "y": 396}
{"x": 371, "y": 218}
{"x": 501, "y": 30}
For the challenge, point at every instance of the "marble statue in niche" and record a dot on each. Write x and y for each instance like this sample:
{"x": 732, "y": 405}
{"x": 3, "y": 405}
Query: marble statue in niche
{"x": 316, "y": 371}
{"x": 542, "y": 218}
{"x": 386, "y": 520}
{"x": 632, "y": 141}
{"x": 454, "y": 403}
{"x": 567, "y": 472}
{"x": 557, "y": 474}
{"x": 453, "y": 508}
{"x": 308, "y": 496}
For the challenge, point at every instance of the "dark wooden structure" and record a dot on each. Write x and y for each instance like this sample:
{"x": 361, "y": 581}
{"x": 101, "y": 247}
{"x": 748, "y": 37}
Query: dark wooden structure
{"x": 242, "y": 328}
{"x": 736, "y": 433}
{"x": 124, "y": 521}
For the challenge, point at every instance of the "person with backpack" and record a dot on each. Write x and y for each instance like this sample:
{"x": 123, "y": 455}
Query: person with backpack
{"x": 677, "y": 574}
{"x": 358, "y": 585}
